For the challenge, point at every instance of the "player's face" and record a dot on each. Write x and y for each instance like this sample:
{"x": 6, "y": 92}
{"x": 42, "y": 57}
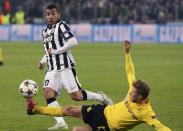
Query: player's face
{"x": 52, "y": 16}
{"x": 135, "y": 97}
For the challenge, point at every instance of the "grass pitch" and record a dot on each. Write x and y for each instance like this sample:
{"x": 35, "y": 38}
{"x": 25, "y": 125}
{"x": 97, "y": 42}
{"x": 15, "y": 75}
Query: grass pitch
{"x": 100, "y": 67}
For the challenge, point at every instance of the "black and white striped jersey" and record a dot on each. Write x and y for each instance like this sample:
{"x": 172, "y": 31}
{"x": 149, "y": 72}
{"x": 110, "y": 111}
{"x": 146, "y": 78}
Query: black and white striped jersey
{"x": 55, "y": 36}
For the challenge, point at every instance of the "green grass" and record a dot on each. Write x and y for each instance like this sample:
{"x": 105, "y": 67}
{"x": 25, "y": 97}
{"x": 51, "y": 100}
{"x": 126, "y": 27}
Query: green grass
{"x": 100, "y": 67}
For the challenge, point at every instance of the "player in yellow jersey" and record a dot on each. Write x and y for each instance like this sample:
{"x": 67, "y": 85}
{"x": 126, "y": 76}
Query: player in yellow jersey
{"x": 131, "y": 111}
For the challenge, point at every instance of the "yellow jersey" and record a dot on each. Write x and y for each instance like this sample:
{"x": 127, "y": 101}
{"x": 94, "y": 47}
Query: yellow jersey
{"x": 126, "y": 114}
{"x": 20, "y": 17}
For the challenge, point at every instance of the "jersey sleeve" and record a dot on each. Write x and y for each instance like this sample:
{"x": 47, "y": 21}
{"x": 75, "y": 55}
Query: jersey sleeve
{"x": 65, "y": 31}
{"x": 44, "y": 59}
{"x": 155, "y": 123}
{"x": 130, "y": 72}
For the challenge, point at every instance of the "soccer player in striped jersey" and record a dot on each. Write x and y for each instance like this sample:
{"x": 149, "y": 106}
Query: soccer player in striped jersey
{"x": 133, "y": 110}
{"x": 58, "y": 40}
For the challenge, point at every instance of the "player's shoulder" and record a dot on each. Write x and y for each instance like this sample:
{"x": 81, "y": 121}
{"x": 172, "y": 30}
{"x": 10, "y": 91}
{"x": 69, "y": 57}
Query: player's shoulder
{"x": 64, "y": 23}
{"x": 148, "y": 110}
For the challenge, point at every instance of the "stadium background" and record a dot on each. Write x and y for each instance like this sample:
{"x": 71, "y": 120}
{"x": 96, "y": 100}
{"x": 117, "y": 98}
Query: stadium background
{"x": 155, "y": 26}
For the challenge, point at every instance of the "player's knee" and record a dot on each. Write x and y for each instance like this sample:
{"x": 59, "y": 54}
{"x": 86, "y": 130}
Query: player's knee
{"x": 76, "y": 96}
{"x": 48, "y": 93}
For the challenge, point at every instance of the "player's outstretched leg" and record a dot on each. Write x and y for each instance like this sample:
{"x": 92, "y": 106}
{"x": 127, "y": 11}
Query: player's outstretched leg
{"x": 33, "y": 109}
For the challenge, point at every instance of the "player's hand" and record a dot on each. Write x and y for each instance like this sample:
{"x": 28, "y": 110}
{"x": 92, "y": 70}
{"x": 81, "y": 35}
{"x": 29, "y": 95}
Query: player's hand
{"x": 127, "y": 46}
{"x": 49, "y": 50}
{"x": 41, "y": 65}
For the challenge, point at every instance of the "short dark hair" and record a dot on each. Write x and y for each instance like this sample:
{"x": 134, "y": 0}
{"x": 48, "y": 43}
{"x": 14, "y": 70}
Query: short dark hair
{"x": 52, "y": 6}
{"x": 142, "y": 88}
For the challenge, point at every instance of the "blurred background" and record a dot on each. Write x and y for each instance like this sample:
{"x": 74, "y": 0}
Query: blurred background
{"x": 99, "y": 11}
{"x": 152, "y": 21}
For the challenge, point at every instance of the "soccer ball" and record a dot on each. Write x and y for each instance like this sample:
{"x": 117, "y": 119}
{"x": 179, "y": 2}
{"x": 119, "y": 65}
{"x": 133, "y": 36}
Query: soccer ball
{"x": 28, "y": 88}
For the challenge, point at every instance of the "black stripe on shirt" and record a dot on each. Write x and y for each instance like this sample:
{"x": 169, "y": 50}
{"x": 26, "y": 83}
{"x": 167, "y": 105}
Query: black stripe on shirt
{"x": 57, "y": 57}
{"x": 65, "y": 60}
{"x": 58, "y": 62}
{"x": 61, "y": 44}
{"x": 60, "y": 36}
{"x": 51, "y": 59}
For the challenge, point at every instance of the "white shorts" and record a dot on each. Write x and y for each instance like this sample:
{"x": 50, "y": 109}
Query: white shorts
{"x": 66, "y": 79}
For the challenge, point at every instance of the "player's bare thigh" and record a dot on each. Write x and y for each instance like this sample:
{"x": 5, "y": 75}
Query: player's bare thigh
{"x": 82, "y": 128}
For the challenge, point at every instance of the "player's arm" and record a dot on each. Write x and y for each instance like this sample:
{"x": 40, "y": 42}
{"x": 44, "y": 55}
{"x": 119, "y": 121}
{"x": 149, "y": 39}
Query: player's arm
{"x": 152, "y": 120}
{"x": 130, "y": 72}
{"x": 42, "y": 62}
{"x": 72, "y": 42}
{"x": 159, "y": 126}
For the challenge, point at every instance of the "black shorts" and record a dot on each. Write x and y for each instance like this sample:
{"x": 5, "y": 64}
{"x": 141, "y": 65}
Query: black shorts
{"x": 93, "y": 115}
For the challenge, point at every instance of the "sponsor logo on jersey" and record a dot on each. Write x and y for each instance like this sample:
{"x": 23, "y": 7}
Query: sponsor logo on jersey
{"x": 48, "y": 39}
{"x": 48, "y": 35}
{"x": 129, "y": 109}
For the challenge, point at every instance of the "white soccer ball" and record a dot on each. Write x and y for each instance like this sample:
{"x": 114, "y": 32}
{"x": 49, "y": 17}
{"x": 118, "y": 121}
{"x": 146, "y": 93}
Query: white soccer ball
{"x": 28, "y": 88}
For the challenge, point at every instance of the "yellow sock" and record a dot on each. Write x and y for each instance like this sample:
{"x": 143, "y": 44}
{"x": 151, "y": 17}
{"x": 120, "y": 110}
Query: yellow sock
{"x": 52, "y": 111}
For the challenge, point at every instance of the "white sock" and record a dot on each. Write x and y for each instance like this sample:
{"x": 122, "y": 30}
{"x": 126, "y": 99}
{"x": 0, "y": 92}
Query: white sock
{"x": 93, "y": 96}
{"x": 58, "y": 119}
